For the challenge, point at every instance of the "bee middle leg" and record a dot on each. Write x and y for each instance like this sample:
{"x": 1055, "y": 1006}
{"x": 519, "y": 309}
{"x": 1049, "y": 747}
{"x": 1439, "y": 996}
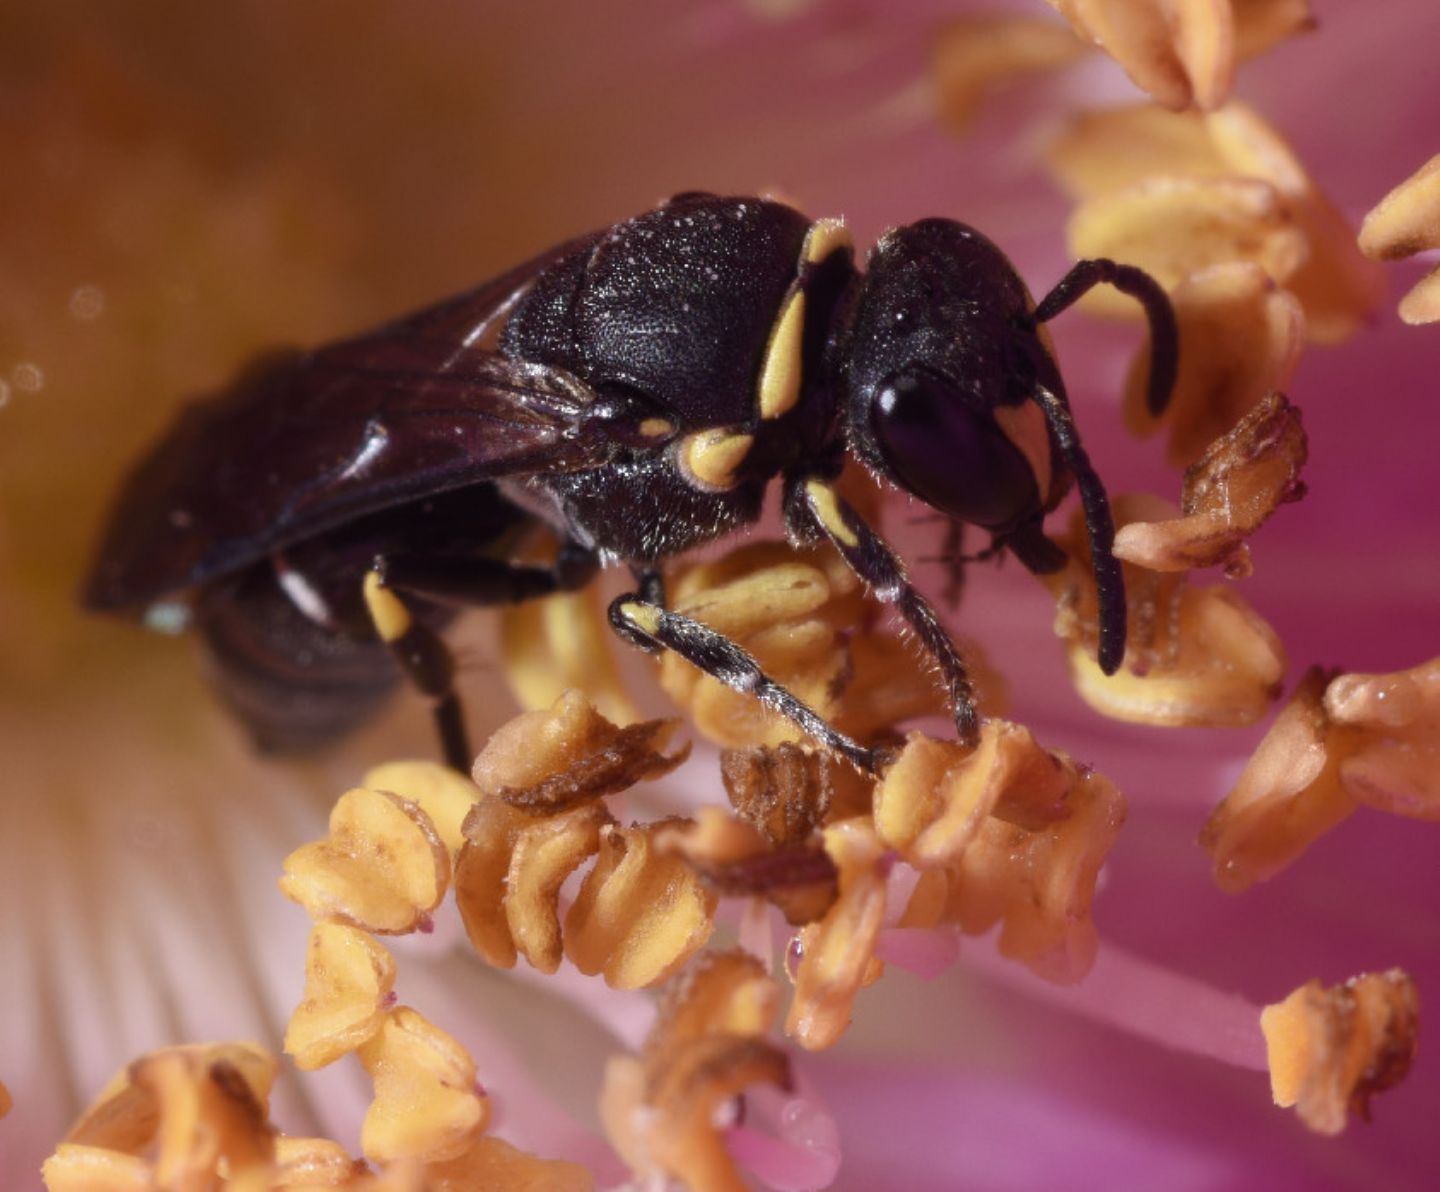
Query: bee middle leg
{"x": 421, "y": 652}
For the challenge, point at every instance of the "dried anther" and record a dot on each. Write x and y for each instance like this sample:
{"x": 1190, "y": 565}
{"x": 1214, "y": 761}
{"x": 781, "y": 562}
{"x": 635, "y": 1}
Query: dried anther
{"x": 426, "y": 1103}
{"x": 707, "y": 1047}
{"x": 568, "y": 754}
{"x": 383, "y": 868}
{"x": 1194, "y": 655}
{"x": 1331, "y": 1050}
{"x": 734, "y": 859}
{"x": 348, "y": 979}
{"x": 1406, "y": 222}
{"x": 1229, "y": 492}
{"x": 1341, "y": 741}
{"x": 784, "y": 791}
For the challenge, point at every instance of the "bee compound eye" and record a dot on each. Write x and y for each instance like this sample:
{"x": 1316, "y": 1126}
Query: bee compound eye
{"x": 951, "y": 456}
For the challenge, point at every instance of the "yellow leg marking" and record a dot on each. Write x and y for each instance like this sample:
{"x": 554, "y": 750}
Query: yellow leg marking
{"x": 1025, "y": 426}
{"x": 824, "y": 237}
{"x": 387, "y": 610}
{"x": 780, "y": 374}
{"x": 643, "y": 616}
{"x": 826, "y": 505}
{"x": 712, "y": 456}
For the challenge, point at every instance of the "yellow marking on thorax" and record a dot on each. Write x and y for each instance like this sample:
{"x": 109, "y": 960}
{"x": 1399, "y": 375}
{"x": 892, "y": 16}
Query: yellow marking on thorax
{"x": 657, "y": 428}
{"x": 713, "y": 456}
{"x": 1025, "y": 426}
{"x": 780, "y": 374}
{"x": 388, "y": 612}
{"x": 824, "y": 237}
{"x": 826, "y": 505}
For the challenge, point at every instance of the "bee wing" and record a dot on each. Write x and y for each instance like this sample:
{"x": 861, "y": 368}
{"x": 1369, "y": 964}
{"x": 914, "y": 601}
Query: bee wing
{"x": 305, "y": 442}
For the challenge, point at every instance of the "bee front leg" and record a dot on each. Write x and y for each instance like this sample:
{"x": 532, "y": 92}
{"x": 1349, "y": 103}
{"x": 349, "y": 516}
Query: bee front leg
{"x": 650, "y": 626}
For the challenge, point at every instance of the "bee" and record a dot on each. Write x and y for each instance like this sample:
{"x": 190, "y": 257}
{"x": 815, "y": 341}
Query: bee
{"x": 636, "y": 390}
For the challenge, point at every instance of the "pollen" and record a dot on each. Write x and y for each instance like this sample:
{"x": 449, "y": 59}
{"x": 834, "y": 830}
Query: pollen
{"x": 561, "y": 642}
{"x": 1340, "y": 742}
{"x": 443, "y": 795}
{"x": 1333, "y": 1049}
{"x": 174, "y": 1118}
{"x": 639, "y": 914}
{"x": 837, "y": 954}
{"x": 1406, "y": 222}
{"x": 1194, "y": 655}
{"x": 383, "y": 868}
{"x": 1229, "y": 493}
{"x": 661, "y": 1108}
{"x": 936, "y": 797}
{"x": 426, "y": 1105}
{"x": 974, "y": 56}
{"x": 1185, "y": 54}
{"x": 570, "y": 753}
{"x": 1267, "y": 210}
{"x": 1241, "y": 336}
{"x": 348, "y": 979}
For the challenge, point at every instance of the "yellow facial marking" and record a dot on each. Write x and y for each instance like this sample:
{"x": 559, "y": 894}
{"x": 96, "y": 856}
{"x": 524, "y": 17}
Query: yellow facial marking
{"x": 824, "y": 237}
{"x": 826, "y": 506}
{"x": 657, "y": 428}
{"x": 645, "y": 617}
{"x": 712, "y": 456}
{"x": 1024, "y": 425}
{"x": 387, "y": 611}
{"x": 780, "y": 374}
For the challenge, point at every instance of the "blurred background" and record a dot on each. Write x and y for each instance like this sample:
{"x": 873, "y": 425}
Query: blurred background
{"x": 182, "y": 185}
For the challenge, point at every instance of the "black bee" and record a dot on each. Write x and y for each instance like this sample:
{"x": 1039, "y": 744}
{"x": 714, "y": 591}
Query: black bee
{"x": 637, "y": 390}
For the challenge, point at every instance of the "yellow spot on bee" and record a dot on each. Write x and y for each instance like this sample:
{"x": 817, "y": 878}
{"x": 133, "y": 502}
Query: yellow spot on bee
{"x": 657, "y": 428}
{"x": 645, "y": 617}
{"x": 1025, "y": 426}
{"x": 780, "y": 374}
{"x": 712, "y": 456}
{"x": 826, "y": 506}
{"x": 825, "y": 237}
{"x": 387, "y": 610}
